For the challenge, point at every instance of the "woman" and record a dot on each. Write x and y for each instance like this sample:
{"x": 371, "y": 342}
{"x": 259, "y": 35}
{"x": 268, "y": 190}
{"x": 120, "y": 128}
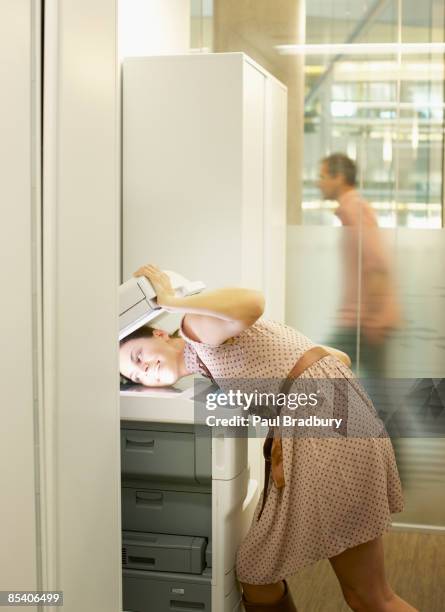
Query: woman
{"x": 338, "y": 492}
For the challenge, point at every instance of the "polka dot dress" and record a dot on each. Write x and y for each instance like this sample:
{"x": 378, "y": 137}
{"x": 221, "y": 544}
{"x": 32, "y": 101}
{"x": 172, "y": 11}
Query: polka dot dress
{"x": 340, "y": 488}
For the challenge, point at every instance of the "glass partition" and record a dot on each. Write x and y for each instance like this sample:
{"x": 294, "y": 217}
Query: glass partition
{"x": 365, "y": 272}
{"x": 374, "y": 81}
{"x": 374, "y": 90}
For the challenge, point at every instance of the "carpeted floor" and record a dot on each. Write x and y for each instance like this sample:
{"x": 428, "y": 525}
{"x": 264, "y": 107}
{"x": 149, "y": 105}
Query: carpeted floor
{"x": 415, "y": 564}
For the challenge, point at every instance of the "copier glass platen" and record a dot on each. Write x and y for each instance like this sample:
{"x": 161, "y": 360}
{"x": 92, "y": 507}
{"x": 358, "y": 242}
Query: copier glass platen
{"x": 187, "y": 498}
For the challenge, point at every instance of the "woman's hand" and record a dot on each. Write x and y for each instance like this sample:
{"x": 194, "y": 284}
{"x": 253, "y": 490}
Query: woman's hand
{"x": 160, "y": 282}
{"x": 211, "y": 316}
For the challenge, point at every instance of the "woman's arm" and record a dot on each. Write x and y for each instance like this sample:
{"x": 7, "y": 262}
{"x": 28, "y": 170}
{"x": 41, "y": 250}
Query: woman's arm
{"x": 211, "y": 316}
{"x": 339, "y": 354}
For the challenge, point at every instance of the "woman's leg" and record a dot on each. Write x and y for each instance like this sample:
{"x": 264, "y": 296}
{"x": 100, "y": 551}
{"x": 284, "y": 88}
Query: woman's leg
{"x": 263, "y": 593}
{"x": 361, "y": 573}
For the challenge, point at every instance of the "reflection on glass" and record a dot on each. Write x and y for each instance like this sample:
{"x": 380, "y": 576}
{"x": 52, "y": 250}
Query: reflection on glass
{"x": 384, "y": 111}
{"x": 379, "y": 283}
{"x": 369, "y": 310}
{"x": 201, "y": 26}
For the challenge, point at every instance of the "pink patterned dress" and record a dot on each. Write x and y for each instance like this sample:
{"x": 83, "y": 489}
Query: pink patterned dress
{"x": 339, "y": 492}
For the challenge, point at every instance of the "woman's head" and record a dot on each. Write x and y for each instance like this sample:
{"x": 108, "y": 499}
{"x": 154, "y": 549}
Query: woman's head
{"x": 151, "y": 357}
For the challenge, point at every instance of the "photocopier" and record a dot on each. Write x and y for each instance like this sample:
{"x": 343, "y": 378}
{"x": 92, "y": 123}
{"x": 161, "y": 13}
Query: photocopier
{"x": 187, "y": 496}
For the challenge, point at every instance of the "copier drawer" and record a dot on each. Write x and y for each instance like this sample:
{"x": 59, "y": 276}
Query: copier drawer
{"x": 165, "y": 592}
{"x": 163, "y": 553}
{"x": 174, "y": 456}
{"x": 173, "y": 512}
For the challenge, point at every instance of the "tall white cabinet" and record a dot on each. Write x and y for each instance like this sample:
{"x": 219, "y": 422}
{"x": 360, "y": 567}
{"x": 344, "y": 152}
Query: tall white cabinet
{"x": 204, "y": 163}
{"x": 204, "y": 187}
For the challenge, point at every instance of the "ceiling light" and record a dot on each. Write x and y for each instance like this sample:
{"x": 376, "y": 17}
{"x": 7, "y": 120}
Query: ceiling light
{"x": 362, "y": 49}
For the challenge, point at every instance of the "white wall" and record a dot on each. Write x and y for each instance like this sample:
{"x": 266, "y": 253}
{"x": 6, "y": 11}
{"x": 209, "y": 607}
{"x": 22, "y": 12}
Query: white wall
{"x": 18, "y": 197}
{"x": 81, "y": 263}
{"x": 152, "y": 27}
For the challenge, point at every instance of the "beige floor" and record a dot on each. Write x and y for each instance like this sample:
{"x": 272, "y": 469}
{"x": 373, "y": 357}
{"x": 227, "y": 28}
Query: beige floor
{"x": 415, "y": 564}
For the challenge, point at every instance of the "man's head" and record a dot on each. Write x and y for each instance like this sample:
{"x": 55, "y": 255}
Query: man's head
{"x": 337, "y": 175}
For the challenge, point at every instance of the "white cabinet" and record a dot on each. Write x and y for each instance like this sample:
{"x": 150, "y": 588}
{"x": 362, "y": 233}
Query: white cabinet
{"x": 204, "y": 194}
{"x": 204, "y": 171}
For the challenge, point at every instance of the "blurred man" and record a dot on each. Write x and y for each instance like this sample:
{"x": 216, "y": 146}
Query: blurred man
{"x": 369, "y": 309}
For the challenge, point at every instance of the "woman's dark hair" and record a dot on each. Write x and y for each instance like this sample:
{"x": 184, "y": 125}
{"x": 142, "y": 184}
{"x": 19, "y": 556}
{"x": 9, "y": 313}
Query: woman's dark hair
{"x": 143, "y": 332}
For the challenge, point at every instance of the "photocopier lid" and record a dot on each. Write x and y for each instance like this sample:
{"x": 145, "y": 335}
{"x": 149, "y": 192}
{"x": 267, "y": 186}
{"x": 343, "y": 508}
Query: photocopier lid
{"x": 138, "y": 302}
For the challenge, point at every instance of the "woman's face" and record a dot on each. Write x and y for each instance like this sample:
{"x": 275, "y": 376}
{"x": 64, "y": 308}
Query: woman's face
{"x": 153, "y": 362}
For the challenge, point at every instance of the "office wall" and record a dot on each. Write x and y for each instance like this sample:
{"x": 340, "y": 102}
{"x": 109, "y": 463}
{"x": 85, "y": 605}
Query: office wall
{"x": 151, "y": 27}
{"x": 81, "y": 462}
{"x": 19, "y": 28}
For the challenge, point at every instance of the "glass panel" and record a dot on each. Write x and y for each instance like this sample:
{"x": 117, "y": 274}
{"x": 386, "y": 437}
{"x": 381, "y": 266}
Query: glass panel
{"x": 352, "y": 113}
{"x": 340, "y": 21}
{"x": 380, "y": 293}
{"x": 201, "y": 26}
{"x": 384, "y": 110}
{"x": 386, "y": 304}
